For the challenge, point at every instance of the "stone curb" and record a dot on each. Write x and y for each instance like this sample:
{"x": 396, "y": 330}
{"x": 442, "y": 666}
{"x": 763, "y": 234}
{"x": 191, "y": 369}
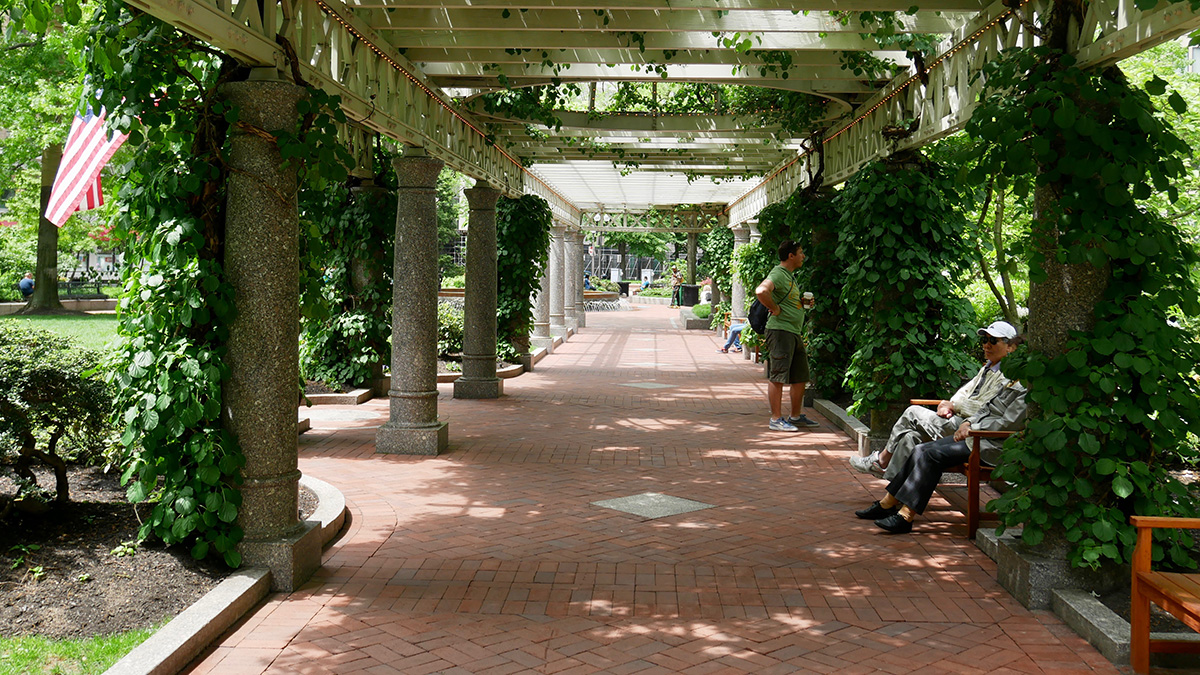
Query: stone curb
{"x": 693, "y": 322}
{"x": 1109, "y": 633}
{"x": 509, "y": 372}
{"x": 841, "y": 419}
{"x": 352, "y": 397}
{"x": 176, "y": 644}
{"x": 639, "y": 300}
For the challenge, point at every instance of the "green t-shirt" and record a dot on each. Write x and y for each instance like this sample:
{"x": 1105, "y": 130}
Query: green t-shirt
{"x": 787, "y": 296}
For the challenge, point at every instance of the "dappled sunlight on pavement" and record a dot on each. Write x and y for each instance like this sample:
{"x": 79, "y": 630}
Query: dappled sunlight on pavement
{"x": 494, "y": 557}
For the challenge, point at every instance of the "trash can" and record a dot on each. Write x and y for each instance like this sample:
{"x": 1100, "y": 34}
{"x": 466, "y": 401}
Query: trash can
{"x": 689, "y": 294}
{"x": 623, "y": 287}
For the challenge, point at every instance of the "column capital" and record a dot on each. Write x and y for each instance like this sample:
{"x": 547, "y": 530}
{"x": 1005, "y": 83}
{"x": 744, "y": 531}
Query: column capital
{"x": 417, "y": 171}
{"x": 482, "y": 197}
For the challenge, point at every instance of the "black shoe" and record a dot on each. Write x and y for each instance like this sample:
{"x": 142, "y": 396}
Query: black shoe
{"x": 875, "y": 512}
{"x": 895, "y": 524}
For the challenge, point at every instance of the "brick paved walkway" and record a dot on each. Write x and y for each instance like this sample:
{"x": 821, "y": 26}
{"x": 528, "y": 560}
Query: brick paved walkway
{"x": 492, "y": 558}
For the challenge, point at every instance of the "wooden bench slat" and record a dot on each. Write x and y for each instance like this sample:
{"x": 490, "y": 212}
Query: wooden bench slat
{"x": 1178, "y": 594}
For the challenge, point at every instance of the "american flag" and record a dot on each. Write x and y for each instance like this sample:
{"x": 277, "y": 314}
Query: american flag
{"x": 77, "y": 183}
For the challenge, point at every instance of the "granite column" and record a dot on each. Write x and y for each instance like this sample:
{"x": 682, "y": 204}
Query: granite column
{"x": 262, "y": 266}
{"x": 580, "y": 251}
{"x": 413, "y": 427}
{"x": 558, "y": 325}
{"x": 737, "y": 301}
{"x": 541, "y": 313}
{"x": 479, "y": 305}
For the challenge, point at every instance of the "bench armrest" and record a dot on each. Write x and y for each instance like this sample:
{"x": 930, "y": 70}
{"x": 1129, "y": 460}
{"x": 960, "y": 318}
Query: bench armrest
{"x": 1164, "y": 521}
{"x": 990, "y": 434}
{"x": 925, "y": 401}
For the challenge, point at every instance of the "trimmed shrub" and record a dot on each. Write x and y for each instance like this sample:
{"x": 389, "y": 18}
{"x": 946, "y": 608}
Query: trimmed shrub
{"x": 53, "y": 408}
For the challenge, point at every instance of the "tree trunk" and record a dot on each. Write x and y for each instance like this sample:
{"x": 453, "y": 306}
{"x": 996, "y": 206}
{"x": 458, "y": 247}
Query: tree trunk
{"x": 45, "y": 291}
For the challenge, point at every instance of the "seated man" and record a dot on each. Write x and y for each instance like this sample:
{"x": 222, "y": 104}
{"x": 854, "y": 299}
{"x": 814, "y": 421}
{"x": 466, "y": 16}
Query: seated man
{"x": 26, "y": 285}
{"x": 909, "y": 492}
{"x": 919, "y": 424}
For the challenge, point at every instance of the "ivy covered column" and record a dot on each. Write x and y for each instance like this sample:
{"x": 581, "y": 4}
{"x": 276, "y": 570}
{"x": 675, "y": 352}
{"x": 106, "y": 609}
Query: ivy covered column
{"x": 580, "y": 267}
{"x": 479, "y": 307}
{"x": 741, "y": 237}
{"x": 557, "y": 275}
{"x": 366, "y": 272}
{"x": 262, "y": 265}
{"x": 413, "y": 427}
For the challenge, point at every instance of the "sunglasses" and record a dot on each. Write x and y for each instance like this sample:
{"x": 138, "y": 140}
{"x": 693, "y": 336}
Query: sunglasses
{"x": 989, "y": 340}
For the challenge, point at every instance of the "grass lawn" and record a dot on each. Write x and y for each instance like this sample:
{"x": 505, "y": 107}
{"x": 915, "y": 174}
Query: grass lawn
{"x": 39, "y": 655}
{"x": 91, "y": 330}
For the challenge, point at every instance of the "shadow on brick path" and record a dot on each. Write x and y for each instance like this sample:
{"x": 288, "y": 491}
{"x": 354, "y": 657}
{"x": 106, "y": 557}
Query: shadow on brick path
{"x": 492, "y": 558}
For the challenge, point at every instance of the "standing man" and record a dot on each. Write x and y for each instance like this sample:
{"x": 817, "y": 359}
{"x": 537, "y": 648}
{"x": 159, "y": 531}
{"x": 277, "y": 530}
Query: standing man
{"x": 26, "y": 285}
{"x": 785, "y": 343}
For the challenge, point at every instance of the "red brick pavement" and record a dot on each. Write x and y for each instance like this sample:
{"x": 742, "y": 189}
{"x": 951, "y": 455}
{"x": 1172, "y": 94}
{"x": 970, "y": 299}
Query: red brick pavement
{"x": 492, "y": 559}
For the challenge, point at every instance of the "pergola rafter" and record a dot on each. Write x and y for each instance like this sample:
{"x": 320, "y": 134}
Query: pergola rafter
{"x": 392, "y": 62}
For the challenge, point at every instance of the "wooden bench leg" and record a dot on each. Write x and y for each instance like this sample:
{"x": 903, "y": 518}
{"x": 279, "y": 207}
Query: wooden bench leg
{"x": 972, "y": 506}
{"x": 1139, "y": 630}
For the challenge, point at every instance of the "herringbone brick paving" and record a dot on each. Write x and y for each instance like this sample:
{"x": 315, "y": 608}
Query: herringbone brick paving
{"x": 492, "y": 559}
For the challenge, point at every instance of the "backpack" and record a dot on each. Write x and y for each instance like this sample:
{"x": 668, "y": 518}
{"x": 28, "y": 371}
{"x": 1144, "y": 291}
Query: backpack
{"x": 757, "y": 317}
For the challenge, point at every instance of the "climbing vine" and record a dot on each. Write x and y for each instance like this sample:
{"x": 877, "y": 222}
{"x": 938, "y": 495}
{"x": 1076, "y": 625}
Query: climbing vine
{"x": 1113, "y": 394}
{"x": 163, "y": 87}
{"x": 346, "y": 262}
{"x": 523, "y": 245}
{"x": 901, "y": 231}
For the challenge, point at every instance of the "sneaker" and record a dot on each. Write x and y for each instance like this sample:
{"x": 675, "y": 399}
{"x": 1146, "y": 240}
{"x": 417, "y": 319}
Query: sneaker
{"x": 868, "y": 464}
{"x": 803, "y": 421}
{"x": 782, "y": 424}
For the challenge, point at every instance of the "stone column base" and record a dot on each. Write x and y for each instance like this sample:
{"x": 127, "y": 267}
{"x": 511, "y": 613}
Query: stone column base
{"x": 557, "y": 331}
{"x": 399, "y": 440}
{"x": 464, "y": 388}
{"x": 546, "y": 343}
{"x": 292, "y": 559}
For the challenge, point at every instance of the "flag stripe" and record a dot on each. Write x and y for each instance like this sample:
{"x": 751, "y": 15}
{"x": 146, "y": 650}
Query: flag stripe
{"x": 77, "y": 183}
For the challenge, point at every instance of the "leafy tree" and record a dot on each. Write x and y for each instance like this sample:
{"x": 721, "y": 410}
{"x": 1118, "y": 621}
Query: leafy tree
{"x": 450, "y": 210}
{"x": 40, "y": 89}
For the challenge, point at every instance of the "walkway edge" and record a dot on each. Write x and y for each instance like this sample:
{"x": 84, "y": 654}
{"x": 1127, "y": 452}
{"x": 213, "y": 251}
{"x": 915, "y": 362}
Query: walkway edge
{"x": 176, "y": 644}
{"x": 855, "y": 429}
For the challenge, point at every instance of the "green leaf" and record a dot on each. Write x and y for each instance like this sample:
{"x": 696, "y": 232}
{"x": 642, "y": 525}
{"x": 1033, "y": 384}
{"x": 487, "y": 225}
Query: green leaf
{"x": 1122, "y": 487}
{"x": 1176, "y": 101}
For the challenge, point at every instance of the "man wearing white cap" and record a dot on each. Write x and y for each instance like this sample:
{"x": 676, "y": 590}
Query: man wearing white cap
{"x": 909, "y": 492}
{"x": 919, "y": 424}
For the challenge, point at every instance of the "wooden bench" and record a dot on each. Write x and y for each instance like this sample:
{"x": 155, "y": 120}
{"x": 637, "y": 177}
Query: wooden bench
{"x": 1176, "y": 593}
{"x": 976, "y": 472}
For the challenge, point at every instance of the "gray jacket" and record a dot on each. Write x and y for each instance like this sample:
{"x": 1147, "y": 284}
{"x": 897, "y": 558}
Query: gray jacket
{"x": 1004, "y": 412}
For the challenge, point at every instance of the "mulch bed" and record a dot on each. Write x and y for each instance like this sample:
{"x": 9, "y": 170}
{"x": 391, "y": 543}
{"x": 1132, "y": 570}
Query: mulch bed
{"x": 85, "y": 589}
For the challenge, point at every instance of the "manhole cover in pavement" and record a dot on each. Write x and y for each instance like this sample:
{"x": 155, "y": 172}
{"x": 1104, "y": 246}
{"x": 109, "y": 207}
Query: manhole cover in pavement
{"x": 653, "y": 505}
{"x": 647, "y": 385}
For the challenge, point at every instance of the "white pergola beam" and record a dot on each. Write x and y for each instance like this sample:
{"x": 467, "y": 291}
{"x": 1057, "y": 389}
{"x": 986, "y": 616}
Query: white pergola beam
{"x": 640, "y": 21}
{"x": 971, "y": 6}
{"x": 800, "y": 58}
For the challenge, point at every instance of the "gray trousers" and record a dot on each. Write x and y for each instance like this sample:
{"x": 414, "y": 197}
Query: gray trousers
{"x": 919, "y": 424}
